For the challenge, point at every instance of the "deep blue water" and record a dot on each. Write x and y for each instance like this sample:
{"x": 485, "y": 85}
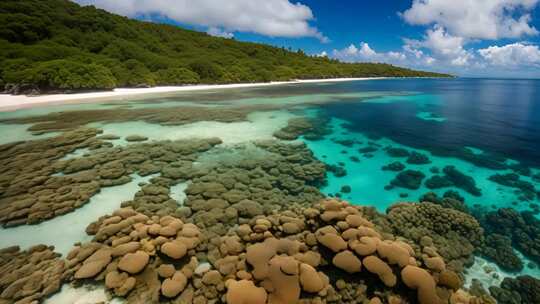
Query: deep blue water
{"x": 501, "y": 117}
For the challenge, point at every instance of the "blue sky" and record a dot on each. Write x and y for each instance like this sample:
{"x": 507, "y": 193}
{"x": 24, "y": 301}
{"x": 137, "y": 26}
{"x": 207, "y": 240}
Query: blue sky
{"x": 484, "y": 38}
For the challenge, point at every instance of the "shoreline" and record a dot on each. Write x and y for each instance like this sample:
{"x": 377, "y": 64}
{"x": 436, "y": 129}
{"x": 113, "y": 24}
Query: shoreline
{"x": 10, "y": 103}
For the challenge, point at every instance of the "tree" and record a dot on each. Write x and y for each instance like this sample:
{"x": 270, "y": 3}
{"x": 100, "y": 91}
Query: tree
{"x": 66, "y": 74}
{"x": 176, "y": 76}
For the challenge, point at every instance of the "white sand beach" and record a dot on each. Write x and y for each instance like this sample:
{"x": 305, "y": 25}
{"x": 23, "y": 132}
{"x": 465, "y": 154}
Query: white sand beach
{"x": 14, "y": 102}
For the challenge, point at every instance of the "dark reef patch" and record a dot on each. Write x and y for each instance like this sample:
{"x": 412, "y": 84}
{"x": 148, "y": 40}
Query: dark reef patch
{"x": 437, "y": 181}
{"x": 395, "y": 166}
{"x": 522, "y": 228}
{"x": 462, "y": 181}
{"x": 416, "y": 158}
{"x": 410, "y": 179}
{"x": 397, "y": 152}
{"x": 527, "y": 189}
{"x": 450, "y": 199}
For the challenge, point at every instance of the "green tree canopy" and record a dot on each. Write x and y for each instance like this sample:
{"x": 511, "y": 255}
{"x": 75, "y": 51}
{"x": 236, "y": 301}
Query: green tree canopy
{"x": 57, "y": 44}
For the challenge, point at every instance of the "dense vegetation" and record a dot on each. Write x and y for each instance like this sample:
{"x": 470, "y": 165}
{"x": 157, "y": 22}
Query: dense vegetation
{"x": 57, "y": 44}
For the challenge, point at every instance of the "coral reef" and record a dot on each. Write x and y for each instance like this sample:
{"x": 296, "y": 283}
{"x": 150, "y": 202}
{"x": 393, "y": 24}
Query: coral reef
{"x": 437, "y": 181}
{"x": 521, "y": 290}
{"x": 522, "y": 228}
{"x": 30, "y": 275}
{"x": 416, "y": 158}
{"x": 527, "y": 190}
{"x": 37, "y": 184}
{"x": 138, "y": 257}
{"x": 327, "y": 252}
{"x": 498, "y": 248}
{"x": 397, "y": 152}
{"x": 69, "y": 120}
{"x": 450, "y": 199}
{"x": 395, "y": 166}
{"x": 253, "y": 228}
{"x": 455, "y": 234}
{"x": 410, "y": 179}
{"x": 460, "y": 180}
{"x": 310, "y": 128}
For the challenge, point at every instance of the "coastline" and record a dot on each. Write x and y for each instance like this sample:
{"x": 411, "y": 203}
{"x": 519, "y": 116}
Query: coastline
{"x": 16, "y": 102}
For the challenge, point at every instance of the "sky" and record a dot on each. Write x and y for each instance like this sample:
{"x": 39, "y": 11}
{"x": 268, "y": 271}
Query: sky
{"x": 471, "y": 38}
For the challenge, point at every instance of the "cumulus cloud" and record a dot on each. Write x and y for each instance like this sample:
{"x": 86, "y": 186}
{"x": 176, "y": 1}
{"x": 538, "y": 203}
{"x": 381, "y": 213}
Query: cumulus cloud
{"x": 322, "y": 54}
{"x": 365, "y": 53}
{"x": 217, "y": 32}
{"x": 512, "y": 55}
{"x": 477, "y": 19}
{"x": 442, "y": 45}
{"x": 277, "y": 18}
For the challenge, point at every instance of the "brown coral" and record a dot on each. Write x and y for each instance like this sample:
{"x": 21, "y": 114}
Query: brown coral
{"x": 419, "y": 279}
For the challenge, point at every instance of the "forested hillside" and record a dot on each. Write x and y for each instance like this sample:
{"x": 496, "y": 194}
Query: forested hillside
{"x": 58, "y": 45}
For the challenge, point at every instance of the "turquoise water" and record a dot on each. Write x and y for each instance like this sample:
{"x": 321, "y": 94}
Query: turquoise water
{"x": 367, "y": 179}
{"x": 480, "y": 127}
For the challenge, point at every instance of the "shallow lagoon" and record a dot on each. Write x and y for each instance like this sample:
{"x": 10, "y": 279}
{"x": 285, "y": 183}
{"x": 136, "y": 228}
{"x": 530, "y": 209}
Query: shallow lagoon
{"x": 431, "y": 117}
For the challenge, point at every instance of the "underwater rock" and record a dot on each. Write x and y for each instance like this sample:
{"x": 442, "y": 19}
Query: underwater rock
{"x": 395, "y": 166}
{"x": 416, "y": 158}
{"x": 410, "y": 179}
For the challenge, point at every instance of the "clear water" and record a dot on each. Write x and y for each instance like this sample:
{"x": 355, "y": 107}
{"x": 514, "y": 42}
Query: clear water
{"x": 448, "y": 120}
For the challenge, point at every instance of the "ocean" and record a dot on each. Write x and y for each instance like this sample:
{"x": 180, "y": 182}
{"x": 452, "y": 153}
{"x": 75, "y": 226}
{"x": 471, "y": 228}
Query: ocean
{"x": 468, "y": 144}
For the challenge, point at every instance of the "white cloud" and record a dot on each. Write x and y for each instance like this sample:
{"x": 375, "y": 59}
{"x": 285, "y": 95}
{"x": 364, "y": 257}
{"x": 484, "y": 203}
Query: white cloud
{"x": 322, "y": 54}
{"x": 277, "y": 18}
{"x": 478, "y": 19}
{"x": 445, "y": 47}
{"x": 365, "y": 53}
{"x": 512, "y": 55}
{"x": 217, "y": 32}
